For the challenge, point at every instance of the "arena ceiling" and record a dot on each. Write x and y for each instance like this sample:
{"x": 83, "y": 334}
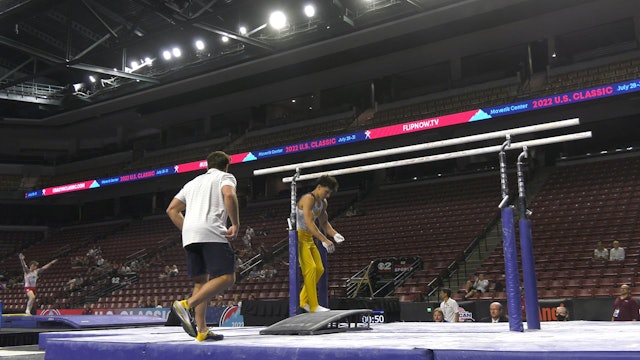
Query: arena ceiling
{"x": 51, "y": 49}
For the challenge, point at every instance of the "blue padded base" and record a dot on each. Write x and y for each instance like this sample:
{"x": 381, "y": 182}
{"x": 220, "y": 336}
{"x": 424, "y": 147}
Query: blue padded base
{"x": 78, "y": 321}
{"x": 403, "y": 341}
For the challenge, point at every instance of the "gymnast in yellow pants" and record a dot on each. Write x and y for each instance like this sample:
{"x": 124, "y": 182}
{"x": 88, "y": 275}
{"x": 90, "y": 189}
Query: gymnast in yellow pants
{"x": 312, "y": 207}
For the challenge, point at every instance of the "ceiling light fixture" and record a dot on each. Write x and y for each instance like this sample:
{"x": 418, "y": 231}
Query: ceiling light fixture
{"x": 278, "y": 20}
{"x": 309, "y": 10}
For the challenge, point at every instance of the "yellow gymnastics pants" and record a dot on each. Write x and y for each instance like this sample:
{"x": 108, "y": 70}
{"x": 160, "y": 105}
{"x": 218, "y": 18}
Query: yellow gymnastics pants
{"x": 311, "y": 268}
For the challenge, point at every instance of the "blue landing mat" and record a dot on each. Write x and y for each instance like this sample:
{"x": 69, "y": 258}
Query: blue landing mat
{"x": 403, "y": 341}
{"x": 78, "y": 321}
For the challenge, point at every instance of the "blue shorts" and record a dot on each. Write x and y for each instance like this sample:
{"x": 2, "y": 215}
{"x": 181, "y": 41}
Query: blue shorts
{"x": 215, "y": 259}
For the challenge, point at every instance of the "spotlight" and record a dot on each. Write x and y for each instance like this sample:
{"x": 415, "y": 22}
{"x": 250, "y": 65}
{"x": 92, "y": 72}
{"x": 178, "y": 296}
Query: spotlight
{"x": 224, "y": 39}
{"x": 166, "y": 55}
{"x": 176, "y": 52}
{"x": 309, "y": 10}
{"x": 199, "y": 44}
{"x": 134, "y": 65}
{"x": 92, "y": 78}
{"x": 277, "y": 20}
{"x": 243, "y": 30}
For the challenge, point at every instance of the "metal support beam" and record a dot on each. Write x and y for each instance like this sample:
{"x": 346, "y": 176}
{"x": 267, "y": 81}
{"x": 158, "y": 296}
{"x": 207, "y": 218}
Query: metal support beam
{"x": 103, "y": 70}
{"x": 31, "y": 50}
{"x": 93, "y": 46}
{"x": 203, "y": 9}
{"x": 104, "y": 23}
{"x": 108, "y": 12}
{"x": 233, "y": 35}
{"x": 415, "y": 3}
{"x": 16, "y": 69}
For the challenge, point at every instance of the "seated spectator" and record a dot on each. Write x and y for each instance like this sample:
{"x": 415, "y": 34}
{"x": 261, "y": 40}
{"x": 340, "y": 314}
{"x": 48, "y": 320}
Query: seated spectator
{"x": 74, "y": 283}
{"x": 247, "y": 238}
{"x": 87, "y": 310}
{"x": 438, "y": 315}
{"x": 266, "y": 254}
{"x": 616, "y": 253}
{"x": 235, "y": 301}
{"x": 350, "y": 212}
{"x": 353, "y": 210}
{"x": 562, "y": 314}
{"x": 135, "y": 265}
{"x": 600, "y": 252}
{"x": 166, "y": 271}
{"x": 174, "y": 271}
{"x": 124, "y": 269}
{"x": 495, "y": 309}
{"x": 478, "y": 285}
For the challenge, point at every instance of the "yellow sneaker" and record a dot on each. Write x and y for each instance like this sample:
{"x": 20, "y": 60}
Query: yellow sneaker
{"x": 209, "y": 335}
{"x": 183, "y": 311}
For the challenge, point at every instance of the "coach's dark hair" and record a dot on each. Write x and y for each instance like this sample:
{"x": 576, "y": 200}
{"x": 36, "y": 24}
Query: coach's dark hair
{"x": 218, "y": 160}
{"x": 328, "y": 181}
{"x": 446, "y": 291}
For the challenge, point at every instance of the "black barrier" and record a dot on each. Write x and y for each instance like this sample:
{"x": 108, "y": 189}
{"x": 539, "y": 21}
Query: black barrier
{"x": 269, "y": 312}
{"x": 264, "y": 312}
{"x": 385, "y": 309}
{"x": 599, "y": 309}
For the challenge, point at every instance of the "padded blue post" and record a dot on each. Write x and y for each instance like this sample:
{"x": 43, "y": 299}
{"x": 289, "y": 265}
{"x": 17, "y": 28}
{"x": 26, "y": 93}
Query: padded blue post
{"x": 294, "y": 298}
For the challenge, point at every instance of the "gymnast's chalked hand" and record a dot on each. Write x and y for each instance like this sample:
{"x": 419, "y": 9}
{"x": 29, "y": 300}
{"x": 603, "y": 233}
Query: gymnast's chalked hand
{"x": 330, "y": 247}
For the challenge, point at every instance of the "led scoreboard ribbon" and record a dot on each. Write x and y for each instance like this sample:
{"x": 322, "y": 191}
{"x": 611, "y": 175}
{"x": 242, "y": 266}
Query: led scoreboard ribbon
{"x": 546, "y": 102}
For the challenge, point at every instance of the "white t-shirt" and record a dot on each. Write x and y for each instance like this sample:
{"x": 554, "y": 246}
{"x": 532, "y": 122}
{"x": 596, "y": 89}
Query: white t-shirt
{"x": 604, "y": 254}
{"x": 449, "y": 309}
{"x": 205, "y": 218}
{"x": 481, "y": 285}
{"x": 616, "y": 254}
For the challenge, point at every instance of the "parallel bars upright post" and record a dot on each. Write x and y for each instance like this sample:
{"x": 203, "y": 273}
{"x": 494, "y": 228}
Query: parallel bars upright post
{"x": 512, "y": 276}
{"x": 294, "y": 299}
{"x": 526, "y": 251}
